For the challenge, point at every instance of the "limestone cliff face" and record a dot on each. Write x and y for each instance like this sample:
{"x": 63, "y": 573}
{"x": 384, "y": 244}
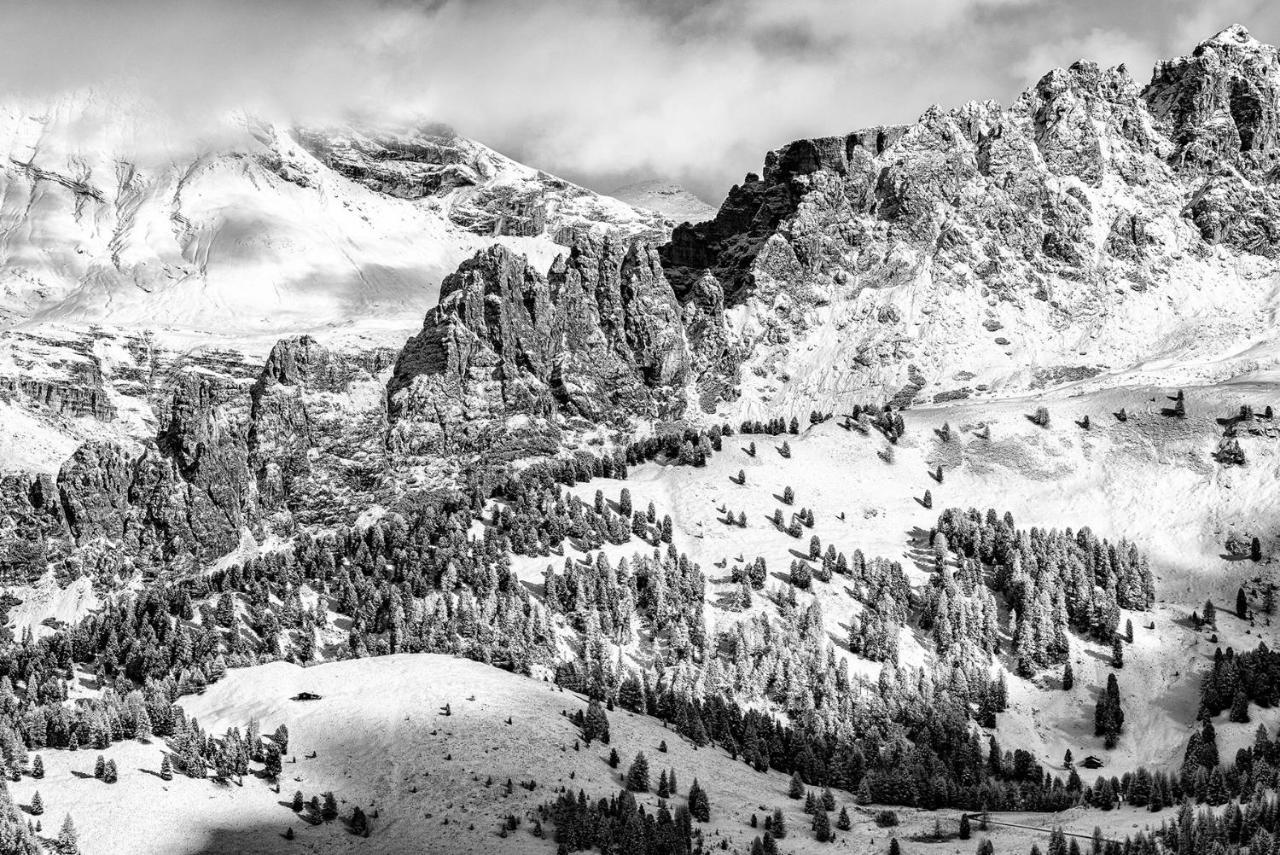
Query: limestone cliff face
{"x": 510, "y": 352}
{"x": 921, "y": 247}
{"x": 316, "y": 430}
{"x": 185, "y": 494}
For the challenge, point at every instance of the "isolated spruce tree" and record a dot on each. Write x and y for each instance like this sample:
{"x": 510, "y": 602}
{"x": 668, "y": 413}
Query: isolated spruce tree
{"x": 1255, "y": 550}
{"x": 100, "y": 767}
{"x": 1210, "y": 614}
{"x": 815, "y": 548}
{"x": 111, "y": 774}
{"x": 822, "y": 826}
{"x": 965, "y": 830}
{"x": 298, "y": 801}
{"x": 1117, "y": 652}
{"x": 329, "y": 810}
{"x": 359, "y": 823}
{"x": 699, "y": 804}
{"x": 788, "y": 495}
{"x": 666, "y": 528}
{"x": 664, "y": 791}
{"x": 1242, "y": 604}
{"x": 166, "y": 768}
{"x": 595, "y": 723}
{"x": 37, "y": 804}
{"x": 842, "y": 821}
{"x": 68, "y": 842}
{"x": 614, "y": 759}
{"x": 1068, "y": 677}
{"x": 1108, "y": 715}
{"x": 37, "y": 767}
{"x": 637, "y": 780}
{"x": 778, "y": 827}
{"x": 927, "y": 501}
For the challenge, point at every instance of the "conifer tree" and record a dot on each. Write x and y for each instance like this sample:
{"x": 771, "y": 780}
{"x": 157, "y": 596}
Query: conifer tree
{"x": 842, "y": 821}
{"x": 166, "y": 768}
{"x": 1068, "y": 677}
{"x": 822, "y": 826}
{"x": 663, "y": 790}
{"x": 1242, "y": 604}
{"x": 37, "y": 767}
{"x": 1255, "y": 550}
{"x": 796, "y": 788}
{"x": 100, "y": 767}
{"x": 298, "y": 801}
{"x": 68, "y": 840}
{"x": 788, "y": 495}
{"x": 37, "y": 804}
{"x": 1117, "y": 653}
{"x": 614, "y": 759}
{"x": 637, "y": 780}
{"x": 965, "y": 830}
{"x": 111, "y": 774}
{"x": 779, "y": 825}
{"x": 699, "y": 804}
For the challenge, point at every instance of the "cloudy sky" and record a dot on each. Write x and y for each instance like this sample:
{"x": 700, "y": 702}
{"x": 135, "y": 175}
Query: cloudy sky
{"x": 600, "y": 91}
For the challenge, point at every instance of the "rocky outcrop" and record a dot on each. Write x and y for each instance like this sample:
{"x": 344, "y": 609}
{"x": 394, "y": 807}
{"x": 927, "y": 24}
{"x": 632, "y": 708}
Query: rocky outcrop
{"x": 510, "y": 353}
{"x": 317, "y": 428}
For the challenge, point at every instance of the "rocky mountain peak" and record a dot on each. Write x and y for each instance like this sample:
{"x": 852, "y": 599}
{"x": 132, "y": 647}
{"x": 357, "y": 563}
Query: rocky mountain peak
{"x": 1220, "y": 102}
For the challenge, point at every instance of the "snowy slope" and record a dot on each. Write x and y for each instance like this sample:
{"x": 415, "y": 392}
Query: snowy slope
{"x": 423, "y": 773}
{"x": 670, "y": 200}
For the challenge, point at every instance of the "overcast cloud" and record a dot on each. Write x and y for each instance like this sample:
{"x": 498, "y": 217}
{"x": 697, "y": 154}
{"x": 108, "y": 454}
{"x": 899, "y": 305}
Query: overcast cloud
{"x": 600, "y": 91}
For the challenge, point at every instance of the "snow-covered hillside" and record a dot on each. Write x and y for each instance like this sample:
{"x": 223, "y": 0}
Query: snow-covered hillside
{"x": 670, "y": 200}
{"x": 432, "y": 782}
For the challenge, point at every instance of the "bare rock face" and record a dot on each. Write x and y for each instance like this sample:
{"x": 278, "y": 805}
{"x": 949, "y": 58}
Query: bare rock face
{"x": 510, "y": 353}
{"x": 187, "y": 494}
{"x": 317, "y": 423}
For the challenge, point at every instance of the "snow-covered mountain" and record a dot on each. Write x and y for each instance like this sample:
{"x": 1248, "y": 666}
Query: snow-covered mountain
{"x": 110, "y": 217}
{"x": 670, "y": 200}
{"x": 1096, "y": 227}
{"x": 328, "y": 394}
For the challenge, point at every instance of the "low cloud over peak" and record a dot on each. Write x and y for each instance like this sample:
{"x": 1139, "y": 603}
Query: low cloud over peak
{"x": 601, "y": 91}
